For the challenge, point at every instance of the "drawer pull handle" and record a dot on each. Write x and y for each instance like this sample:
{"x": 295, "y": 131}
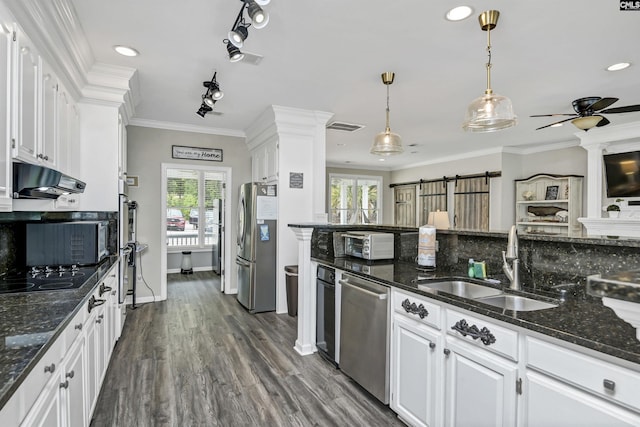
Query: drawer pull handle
{"x": 104, "y": 289}
{"x": 432, "y": 345}
{"x": 93, "y": 302}
{"x": 78, "y": 326}
{"x": 101, "y": 316}
{"x": 50, "y": 368}
{"x": 484, "y": 334}
{"x": 609, "y": 385}
{"x": 64, "y": 384}
{"x": 411, "y": 307}
{"x": 70, "y": 374}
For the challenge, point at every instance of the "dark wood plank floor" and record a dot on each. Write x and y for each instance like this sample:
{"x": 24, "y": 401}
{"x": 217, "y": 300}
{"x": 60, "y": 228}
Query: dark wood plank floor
{"x": 199, "y": 359}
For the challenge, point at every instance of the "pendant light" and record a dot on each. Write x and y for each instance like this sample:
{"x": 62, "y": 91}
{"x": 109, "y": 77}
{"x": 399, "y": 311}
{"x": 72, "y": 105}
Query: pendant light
{"x": 387, "y": 143}
{"x": 490, "y": 112}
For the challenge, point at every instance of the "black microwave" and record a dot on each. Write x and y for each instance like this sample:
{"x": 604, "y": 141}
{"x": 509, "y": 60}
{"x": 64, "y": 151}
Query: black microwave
{"x": 67, "y": 243}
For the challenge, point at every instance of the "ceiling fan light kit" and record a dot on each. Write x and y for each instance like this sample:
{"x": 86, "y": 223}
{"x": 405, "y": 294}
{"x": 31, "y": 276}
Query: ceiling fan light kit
{"x": 490, "y": 112}
{"x": 387, "y": 143}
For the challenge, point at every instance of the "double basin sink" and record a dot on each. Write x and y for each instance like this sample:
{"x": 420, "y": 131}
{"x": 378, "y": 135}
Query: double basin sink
{"x": 486, "y": 295}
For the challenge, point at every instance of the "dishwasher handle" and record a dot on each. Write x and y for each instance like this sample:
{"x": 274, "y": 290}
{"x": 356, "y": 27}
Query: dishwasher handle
{"x": 366, "y": 291}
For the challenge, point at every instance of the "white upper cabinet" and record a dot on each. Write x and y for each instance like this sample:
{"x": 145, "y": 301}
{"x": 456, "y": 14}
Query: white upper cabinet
{"x": 6, "y": 44}
{"x": 48, "y": 150}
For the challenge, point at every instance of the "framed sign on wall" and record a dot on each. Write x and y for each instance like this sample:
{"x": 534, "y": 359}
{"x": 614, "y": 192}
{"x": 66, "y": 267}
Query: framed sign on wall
{"x": 196, "y": 153}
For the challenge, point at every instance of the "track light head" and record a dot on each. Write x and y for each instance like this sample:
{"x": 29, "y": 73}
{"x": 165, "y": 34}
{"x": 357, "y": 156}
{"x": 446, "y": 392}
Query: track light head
{"x": 203, "y": 110}
{"x": 235, "y": 54}
{"x": 259, "y": 18}
{"x": 238, "y": 35}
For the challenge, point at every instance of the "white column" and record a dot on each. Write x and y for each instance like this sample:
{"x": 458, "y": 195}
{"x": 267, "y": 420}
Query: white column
{"x": 594, "y": 179}
{"x": 306, "y": 341}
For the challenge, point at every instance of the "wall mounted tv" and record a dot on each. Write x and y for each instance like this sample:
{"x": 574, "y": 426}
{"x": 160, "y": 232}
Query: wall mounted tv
{"x": 623, "y": 174}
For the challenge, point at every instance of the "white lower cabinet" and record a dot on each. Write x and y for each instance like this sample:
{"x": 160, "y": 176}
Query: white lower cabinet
{"x": 549, "y": 402}
{"x": 480, "y": 388}
{"x": 414, "y": 361}
{"x": 451, "y": 367}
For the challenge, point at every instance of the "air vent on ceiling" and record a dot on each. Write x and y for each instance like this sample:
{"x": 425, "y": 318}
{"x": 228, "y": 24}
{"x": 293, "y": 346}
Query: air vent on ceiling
{"x": 252, "y": 58}
{"x": 347, "y": 127}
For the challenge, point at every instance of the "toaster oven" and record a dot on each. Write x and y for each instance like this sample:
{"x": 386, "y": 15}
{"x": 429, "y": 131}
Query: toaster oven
{"x": 369, "y": 245}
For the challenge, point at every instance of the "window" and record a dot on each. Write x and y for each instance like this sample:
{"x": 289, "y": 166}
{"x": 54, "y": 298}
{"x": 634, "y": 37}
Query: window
{"x": 355, "y": 199}
{"x": 194, "y": 202}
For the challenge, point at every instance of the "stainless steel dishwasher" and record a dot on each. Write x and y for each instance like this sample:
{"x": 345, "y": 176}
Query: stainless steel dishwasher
{"x": 364, "y": 334}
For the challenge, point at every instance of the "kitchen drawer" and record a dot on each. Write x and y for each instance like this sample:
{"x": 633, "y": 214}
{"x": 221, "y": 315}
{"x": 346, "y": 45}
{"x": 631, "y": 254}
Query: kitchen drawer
{"x": 592, "y": 374}
{"x": 483, "y": 333}
{"x": 417, "y": 308}
{"x": 74, "y": 327}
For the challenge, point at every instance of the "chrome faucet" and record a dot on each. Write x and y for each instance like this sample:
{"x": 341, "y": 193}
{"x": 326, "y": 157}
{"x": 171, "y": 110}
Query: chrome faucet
{"x": 511, "y": 254}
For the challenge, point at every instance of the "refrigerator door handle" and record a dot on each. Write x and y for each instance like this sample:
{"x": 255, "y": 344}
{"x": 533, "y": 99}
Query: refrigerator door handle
{"x": 243, "y": 263}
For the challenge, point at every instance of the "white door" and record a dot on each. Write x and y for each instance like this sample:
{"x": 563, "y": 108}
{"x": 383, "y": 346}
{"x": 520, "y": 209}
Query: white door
{"x": 480, "y": 388}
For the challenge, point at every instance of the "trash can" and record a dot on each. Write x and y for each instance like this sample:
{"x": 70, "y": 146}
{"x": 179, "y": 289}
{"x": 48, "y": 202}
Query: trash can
{"x": 186, "y": 266}
{"x": 291, "y": 273}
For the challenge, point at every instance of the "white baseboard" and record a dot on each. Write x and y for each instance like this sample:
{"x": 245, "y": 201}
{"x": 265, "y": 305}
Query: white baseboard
{"x": 143, "y": 300}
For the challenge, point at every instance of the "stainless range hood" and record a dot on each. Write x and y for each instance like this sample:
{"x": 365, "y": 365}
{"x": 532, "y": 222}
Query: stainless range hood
{"x": 39, "y": 182}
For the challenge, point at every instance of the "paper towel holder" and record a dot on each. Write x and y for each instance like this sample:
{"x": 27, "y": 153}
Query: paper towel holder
{"x": 439, "y": 219}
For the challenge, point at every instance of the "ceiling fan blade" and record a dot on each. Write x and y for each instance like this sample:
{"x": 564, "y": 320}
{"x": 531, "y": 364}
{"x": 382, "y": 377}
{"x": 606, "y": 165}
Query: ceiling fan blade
{"x": 627, "y": 109}
{"x": 603, "y": 103}
{"x": 602, "y": 122}
{"x": 553, "y": 115}
{"x": 555, "y": 123}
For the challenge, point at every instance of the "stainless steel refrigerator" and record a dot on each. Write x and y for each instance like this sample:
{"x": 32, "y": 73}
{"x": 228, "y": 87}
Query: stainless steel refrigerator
{"x": 256, "y": 246}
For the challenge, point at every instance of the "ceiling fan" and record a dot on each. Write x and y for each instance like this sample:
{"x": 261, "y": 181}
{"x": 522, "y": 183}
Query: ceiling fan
{"x": 588, "y": 112}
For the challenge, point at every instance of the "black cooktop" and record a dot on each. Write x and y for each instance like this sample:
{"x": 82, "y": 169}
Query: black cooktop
{"x": 46, "y": 278}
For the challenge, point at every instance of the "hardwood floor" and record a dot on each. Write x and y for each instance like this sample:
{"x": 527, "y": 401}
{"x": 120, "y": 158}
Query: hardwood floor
{"x": 200, "y": 359}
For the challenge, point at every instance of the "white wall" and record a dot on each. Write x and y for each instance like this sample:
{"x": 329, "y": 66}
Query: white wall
{"x": 147, "y": 149}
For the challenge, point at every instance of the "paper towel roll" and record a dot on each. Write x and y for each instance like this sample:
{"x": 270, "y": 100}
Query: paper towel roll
{"x": 427, "y": 246}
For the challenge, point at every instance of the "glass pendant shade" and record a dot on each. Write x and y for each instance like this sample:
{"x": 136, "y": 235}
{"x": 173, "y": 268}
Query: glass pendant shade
{"x": 387, "y": 143}
{"x": 489, "y": 113}
{"x": 586, "y": 122}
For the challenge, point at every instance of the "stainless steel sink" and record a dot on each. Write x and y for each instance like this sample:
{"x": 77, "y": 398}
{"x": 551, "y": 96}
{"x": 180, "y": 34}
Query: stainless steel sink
{"x": 460, "y": 288}
{"x": 517, "y": 303}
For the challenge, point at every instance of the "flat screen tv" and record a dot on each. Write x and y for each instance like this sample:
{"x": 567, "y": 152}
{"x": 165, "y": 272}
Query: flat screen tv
{"x": 623, "y": 174}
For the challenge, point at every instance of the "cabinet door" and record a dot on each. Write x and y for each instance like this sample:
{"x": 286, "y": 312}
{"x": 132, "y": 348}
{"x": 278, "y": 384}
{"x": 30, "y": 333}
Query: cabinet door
{"x": 550, "y": 402}
{"x": 26, "y": 129}
{"x": 92, "y": 380}
{"x": 47, "y": 411}
{"x": 258, "y": 165}
{"x": 49, "y": 120}
{"x": 414, "y": 381}
{"x": 480, "y": 388}
{"x": 63, "y": 134}
{"x": 75, "y": 408}
{"x": 271, "y": 161}
{"x": 5, "y": 120}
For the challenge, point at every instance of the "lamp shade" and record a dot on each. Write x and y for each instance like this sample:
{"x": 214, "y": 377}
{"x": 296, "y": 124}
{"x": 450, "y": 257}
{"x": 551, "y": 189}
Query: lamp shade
{"x": 387, "y": 143}
{"x": 489, "y": 113}
{"x": 439, "y": 219}
{"x": 586, "y": 122}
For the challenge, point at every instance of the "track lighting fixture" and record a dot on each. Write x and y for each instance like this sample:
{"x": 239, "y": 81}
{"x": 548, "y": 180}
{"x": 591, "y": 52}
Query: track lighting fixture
{"x": 211, "y": 96}
{"x": 240, "y": 29}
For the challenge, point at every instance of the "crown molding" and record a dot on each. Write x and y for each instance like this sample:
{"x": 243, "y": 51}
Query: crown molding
{"x": 186, "y": 128}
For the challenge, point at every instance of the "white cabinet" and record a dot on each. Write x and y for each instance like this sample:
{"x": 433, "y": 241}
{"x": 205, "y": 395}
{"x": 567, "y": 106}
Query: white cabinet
{"x": 26, "y": 100}
{"x": 414, "y": 384}
{"x": 480, "y": 388}
{"x": 264, "y": 162}
{"x": 549, "y": 204}
{"x": 122, "y": 148}
{"x": 6, "y": 44}
{"x": 48, "y": 151}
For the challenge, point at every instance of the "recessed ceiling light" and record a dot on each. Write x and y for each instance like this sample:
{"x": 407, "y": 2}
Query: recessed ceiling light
{"x": 126, "y": 51}
{"x": 381, "y": 160}
{"x": 459, "y": 13}
{"x": 619, "y": 66}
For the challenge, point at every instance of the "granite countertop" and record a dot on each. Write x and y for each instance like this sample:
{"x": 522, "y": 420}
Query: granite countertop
{"x": 31, "y": 321}
{"x": 580, "y": 319}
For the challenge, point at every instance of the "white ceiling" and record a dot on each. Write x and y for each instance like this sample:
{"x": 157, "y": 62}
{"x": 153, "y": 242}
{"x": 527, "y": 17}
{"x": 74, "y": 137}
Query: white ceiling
{"x": 328, "y": 55}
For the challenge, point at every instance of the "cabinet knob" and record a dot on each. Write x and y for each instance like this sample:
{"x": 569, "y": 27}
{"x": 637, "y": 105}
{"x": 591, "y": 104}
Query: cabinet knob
{"x": 24, "y": 50}
{"x": 447, "y": 351}
{"x": 432, "y": 345}
{"x": 98, "y": 320}
{"x": 64, "y": 384}
{"x": 609, "y": 385}
{"x": 50, "y": 368}
{"x": 78, "y": 326}
{"x": 70, "y": 374}
{"x": 100, "y": 316}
